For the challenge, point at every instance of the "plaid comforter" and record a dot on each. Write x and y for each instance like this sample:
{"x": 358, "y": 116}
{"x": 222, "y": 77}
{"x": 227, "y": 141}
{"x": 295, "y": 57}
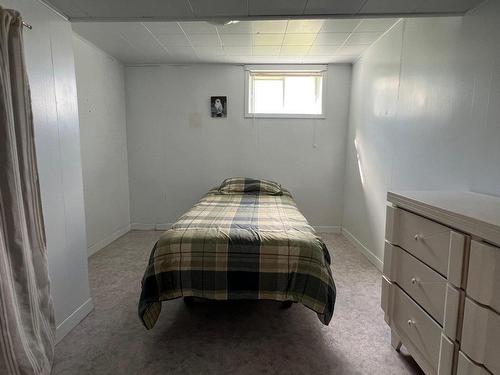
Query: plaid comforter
{"x": 240, "y": 246}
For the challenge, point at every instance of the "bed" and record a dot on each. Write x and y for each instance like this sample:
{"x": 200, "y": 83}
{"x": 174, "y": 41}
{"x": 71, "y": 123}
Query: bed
{"x": 245, "y": 239}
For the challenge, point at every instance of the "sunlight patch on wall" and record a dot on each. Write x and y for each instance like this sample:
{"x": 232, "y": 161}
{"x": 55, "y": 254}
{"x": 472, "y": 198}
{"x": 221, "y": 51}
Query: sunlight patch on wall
{"x": 360, "y": 165}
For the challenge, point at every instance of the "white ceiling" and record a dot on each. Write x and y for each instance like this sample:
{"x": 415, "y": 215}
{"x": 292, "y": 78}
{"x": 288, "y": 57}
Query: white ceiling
{"x": 178, "y": 10}
{"x": 269, "y": 41}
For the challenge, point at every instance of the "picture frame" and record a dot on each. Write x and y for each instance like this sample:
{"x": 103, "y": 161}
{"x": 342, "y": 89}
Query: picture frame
{"x": 218, "y": 106}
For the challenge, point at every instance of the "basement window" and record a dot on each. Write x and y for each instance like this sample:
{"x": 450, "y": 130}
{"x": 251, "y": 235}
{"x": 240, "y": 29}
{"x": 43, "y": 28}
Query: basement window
{"x": 285, "y": 92}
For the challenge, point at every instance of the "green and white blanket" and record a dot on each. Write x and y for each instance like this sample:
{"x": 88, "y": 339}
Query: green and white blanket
{"x": 250, "y": 245}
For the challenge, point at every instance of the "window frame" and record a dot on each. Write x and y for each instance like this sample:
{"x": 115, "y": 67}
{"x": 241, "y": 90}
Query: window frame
{"x": 279, "y": 70}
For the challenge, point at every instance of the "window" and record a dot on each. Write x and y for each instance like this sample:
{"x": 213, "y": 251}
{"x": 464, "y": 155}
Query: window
{"x": 285, "y": 92}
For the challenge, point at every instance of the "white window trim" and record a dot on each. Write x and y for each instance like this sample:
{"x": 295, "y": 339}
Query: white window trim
{"x": 302, "y": 68}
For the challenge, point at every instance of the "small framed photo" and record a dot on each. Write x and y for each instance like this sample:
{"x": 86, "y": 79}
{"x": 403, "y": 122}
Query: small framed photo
{"x": 218, "y": 106}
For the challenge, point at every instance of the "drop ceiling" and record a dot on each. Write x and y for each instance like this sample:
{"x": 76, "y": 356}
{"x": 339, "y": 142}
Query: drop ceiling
{"x": 180, "y": 10}
{"x": 268, "y": 41}
{"x": 268, "y": 31}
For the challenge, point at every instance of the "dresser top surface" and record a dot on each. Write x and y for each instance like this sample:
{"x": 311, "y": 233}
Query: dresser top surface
{"x": 474, "y": 213}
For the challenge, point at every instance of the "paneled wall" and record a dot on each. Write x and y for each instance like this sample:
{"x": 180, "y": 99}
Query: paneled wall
{"x": 425, "y": 114}
{"x": 177, "y": 151}
{"x": 101, "y": 101}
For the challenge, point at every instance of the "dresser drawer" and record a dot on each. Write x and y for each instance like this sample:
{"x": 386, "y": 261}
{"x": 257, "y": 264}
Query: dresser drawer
{"x": 421, "y": 335}
{"x": 483, "y": 282}
{"x": 467, "y": 367}
{"x": 481, "y": 335}
{"x": 422, "y": 283}
{"x": 428, "y": 241}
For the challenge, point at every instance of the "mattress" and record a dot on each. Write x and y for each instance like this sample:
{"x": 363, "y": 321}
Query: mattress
{"x": 240, "y": 246}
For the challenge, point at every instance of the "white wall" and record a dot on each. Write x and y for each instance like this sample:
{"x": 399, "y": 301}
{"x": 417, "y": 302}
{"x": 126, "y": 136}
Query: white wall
{"x": 425, "y": 113}
{"x": 50, "y": 66}
{"x": 177, "y": 152}
{"x": 101, "y": 103}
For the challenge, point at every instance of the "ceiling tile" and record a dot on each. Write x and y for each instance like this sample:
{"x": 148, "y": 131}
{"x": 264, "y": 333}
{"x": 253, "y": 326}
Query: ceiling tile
{"x": 330, "y": 39}
{"x": 88, "y": 31}
{"x": 238, "y": 51}
{"x": 242, "y": 27}
{"x": 362, "y": 38}
{"x": 123, "y": 28}
{"x": 204, "y": 40}
{"x": 184, "y": 54}
{"x": 339, "y": 26}
{"x": 268, "y": 39}
{"x": 333, "y": 7}
{"x": 269, "y": 26}
{"x": 266, "y": 50}
{"x": 276, "y": 7}
{"x": 180, "y": 50}
{"x": 173, "y": 39}
{"x": 304, "y": 26}
{"x": 269, "y": 59}
{"x": 198, "y": 27}
{"x": 390, "y": 6}
{"x": 153, "y": 58}
{"x": 322, "y": 50}
{"x": 207, "y": 51}
{"x": 299, "y": 39}
{"x": 376, "y": 24}
{"x": 237, "y": 39}
{"x": 163, "y": 27}
{"x": 204, "y": 8}
{"x": 108, "y": 41}
{"x": 151, "y": 42}
{"x": 294, "y": 50}
{"x": 138, "y": 36}
{"x": 351, "y": 50}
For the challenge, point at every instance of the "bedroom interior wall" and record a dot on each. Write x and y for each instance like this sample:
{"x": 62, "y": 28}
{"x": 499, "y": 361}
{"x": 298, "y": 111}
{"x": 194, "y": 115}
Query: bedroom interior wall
{"x": 425, "y": 115}
{"x": 177, "y": 151}
{"x": 101, "y": 106}
{"x": 50, "y": 65}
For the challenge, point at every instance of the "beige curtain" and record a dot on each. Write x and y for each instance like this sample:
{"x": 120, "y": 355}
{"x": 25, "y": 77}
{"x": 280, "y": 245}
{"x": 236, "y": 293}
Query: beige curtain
{"x": 26, "y": 313}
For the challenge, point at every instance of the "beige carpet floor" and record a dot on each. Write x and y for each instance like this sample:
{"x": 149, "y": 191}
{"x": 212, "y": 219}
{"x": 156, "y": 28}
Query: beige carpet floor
{"x": 254, "y": 337}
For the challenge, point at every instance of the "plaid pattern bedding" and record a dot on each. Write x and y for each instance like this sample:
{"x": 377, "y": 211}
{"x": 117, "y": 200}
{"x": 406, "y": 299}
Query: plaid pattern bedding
{"x": 240, "y": 246}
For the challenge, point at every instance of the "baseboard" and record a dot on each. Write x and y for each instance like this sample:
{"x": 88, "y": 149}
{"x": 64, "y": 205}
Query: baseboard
{"x": 327, "y": 229}
{"x": 72, "y": 321}
{"x": 364, "y": 250}
{"x": 144, "y": 226}
{"x": 164, "y": 226}
{"x": 91, "y": 250}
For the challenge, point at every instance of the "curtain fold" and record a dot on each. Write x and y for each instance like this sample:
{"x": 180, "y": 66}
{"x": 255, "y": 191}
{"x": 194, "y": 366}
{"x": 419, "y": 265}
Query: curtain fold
{"x": 26, "y": 312}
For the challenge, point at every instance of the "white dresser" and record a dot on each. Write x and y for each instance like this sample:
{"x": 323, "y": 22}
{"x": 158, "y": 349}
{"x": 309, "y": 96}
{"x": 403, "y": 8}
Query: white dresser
{"x": 441, "y": 282}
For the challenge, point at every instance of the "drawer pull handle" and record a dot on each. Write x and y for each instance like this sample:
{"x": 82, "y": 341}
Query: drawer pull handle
{"x": 414, "y": 281}
{"x": 411, "y": 323}
{"x": 418, "y": 237}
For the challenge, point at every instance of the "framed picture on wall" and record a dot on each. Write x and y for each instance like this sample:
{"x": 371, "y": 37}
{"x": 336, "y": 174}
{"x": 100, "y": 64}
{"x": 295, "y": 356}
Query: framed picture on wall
{"x": 218, "y": 105}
